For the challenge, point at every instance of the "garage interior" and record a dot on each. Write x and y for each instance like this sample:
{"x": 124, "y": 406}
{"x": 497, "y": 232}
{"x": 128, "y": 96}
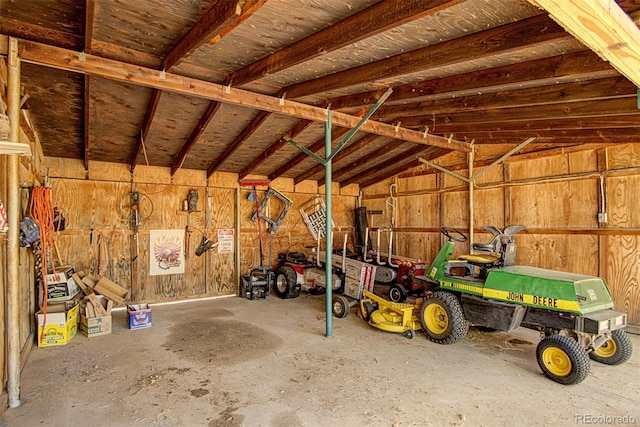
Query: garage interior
{"x": 461, "y": 114}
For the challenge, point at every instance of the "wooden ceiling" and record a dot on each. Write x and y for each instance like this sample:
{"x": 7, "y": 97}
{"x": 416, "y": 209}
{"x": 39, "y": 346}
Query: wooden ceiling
{"x": 221, "y": 85}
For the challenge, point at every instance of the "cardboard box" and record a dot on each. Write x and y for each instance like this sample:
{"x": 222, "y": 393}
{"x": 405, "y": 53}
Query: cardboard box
{"x": 61, "y": 276}
{"x": 62, "y": 291}
{"x": 95, "y": 326}
{"x": 61, "y": 286}
{"x": 92, "y": 324}
{"x": 139, "y": 316}
{"x": 61, "y": 324}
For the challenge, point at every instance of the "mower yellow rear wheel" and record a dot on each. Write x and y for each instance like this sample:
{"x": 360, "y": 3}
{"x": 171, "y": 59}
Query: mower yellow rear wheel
{"x": 614, "y": 351}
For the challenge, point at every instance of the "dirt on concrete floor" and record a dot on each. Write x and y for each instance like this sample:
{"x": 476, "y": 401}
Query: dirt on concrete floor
{"x": 267, "y": 362}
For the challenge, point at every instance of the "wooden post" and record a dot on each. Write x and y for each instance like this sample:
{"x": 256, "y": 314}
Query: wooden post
{"x": 13, "y": 216}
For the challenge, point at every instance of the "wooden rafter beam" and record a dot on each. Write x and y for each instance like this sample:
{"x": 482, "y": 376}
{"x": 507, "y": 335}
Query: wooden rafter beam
{"x": 89, "y": 13}
{"x": 367, "y": 159}
{"x": 526, "y": 34}
{"x": 375, "y": 178}
{"x": 401, "y": 166}
{"x": 146, "y": 125}
{"x": 555, "y": 134}
{"x": 336, "y": 132}
{"x": 366, "y": 23}
{"x": 49, "y": 56}
{"x": 31, "y": 31}
{"x": 578, "y": 66}
{"x": 381, "y": 166}
{"x": 238, "y": 140}
{"x": 602, "y": 26}
{"x": 630, "y": 121}
{"x": 223, "y": 15}
{"x": 211, "y": 110}
{"x": 575, "y": 110}
{"x": 346, "y": 151}
{"x": 296, "y": 130}
{"x": 594, "y": 90}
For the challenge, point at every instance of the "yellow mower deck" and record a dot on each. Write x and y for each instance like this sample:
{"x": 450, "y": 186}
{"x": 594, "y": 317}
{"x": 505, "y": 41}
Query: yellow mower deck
{"x": 390, "y": 316}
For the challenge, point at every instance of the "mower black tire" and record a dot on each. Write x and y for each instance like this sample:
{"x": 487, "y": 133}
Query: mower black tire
{"x": 366, "y": 308}
{"x": 285, "y": 285}
{"x": 397, "y": 293}
{"x": 615, "y": 351}
{"x": 562, "y": 359}
{"x": 442, "y": 318}
{"x": 340, "y": 306}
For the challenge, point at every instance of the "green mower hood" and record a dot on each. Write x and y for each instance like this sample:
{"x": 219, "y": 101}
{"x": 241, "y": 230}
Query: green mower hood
{"x": 548, "y": 289}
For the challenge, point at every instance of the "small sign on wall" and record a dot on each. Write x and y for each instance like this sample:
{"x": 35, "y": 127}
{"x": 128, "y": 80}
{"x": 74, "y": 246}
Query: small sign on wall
{"x": 225, "y": 240}
{"x": 166, "y": 252}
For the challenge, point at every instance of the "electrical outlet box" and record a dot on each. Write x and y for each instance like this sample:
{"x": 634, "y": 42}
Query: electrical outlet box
{"x": 602, "y": 217}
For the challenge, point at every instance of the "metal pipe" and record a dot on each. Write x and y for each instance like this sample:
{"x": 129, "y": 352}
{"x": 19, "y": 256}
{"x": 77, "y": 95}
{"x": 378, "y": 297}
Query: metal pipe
{"x": 389, "y": 260}
{"x": 344, "y": 252}
{"x": 365, "y": 251}
{"x": 13, "y": 246}
{"x": 237, "y": 253}
{"x": 327, "y": 234}
{"x": 471, "y": 202}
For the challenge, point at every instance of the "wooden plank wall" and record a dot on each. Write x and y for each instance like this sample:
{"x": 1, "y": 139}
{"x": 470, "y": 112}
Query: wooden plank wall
{"x": 93, "y": 200}
{"x": 556, "y": 197}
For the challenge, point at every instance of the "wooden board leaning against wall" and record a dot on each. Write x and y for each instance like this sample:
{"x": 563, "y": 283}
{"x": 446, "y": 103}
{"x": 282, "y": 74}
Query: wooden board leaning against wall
{"x": 556, "y": 197}
{"x": 98, "y": 200}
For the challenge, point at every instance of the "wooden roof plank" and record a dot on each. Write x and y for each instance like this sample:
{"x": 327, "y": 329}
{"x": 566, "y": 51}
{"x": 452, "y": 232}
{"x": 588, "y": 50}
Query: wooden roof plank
{"x": 211, "y": 110}
{"x": 242, "y": 136}
{"x": 223, "y": 16}
{"x": 393, "y": 161}
{"x": 575, "y": 110}
{"x": 296, "y": 130}
{"x": 577, "y": 66}
{"x": 366, "y": 23}
{"x": 525, "y": 34}
{"x": 146, "y": 125}
{"x": 595, "y": 90}
{"x": 402, "y": 164}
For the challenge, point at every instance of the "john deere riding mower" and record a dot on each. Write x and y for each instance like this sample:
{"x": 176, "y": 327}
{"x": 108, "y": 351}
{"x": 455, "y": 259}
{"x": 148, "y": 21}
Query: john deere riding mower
{"x": 574, "y": 313}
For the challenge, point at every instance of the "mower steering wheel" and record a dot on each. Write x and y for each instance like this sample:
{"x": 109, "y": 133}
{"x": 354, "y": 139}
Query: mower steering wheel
{"x": 457, "y": 235}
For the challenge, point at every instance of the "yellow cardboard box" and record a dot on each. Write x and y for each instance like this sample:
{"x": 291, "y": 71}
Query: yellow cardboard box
{"x": 61, "y": 325}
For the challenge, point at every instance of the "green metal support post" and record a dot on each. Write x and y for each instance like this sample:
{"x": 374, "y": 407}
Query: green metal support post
{"x": 327, "y": 194}
{"x": 328, "y": 232}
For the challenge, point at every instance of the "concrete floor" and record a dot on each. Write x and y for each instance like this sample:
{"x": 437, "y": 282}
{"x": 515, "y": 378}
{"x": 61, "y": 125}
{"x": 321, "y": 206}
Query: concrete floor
{"x": 235, "y": 362}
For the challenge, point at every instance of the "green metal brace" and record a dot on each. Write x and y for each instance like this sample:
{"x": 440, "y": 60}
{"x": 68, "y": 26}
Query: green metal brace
{"x": 329, "y": 155}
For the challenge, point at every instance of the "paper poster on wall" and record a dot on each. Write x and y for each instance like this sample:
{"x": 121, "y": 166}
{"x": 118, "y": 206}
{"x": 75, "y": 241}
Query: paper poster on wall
{"x": 225, "y": 240}
{"x": 166, "y": 252}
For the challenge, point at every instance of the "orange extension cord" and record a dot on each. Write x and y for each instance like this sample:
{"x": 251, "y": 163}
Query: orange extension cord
{"x": 41, "y": 211}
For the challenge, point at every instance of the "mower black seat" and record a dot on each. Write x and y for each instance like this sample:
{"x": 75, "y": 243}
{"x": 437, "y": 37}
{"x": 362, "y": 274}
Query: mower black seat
{"x": 296, "y": 258}
{"x": 484, "y": 247}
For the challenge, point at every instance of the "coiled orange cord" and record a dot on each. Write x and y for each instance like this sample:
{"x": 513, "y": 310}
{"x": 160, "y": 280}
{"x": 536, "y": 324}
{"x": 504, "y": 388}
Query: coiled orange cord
{"x": 41, "y": 211}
